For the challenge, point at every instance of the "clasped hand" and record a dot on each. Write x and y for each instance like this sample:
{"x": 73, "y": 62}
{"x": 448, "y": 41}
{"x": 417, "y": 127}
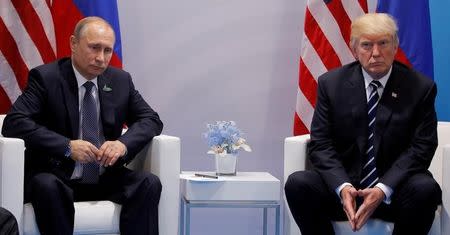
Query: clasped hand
{"x": 110, "y": 151}
{"x": 372, "y": 197}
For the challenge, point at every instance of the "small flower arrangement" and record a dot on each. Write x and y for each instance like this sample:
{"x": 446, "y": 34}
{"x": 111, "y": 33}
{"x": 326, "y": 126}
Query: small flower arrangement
{"x": 225, "y": 138}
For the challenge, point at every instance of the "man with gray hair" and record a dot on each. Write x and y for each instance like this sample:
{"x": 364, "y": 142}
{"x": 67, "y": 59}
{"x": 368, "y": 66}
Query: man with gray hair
{"x": 373, "y": 136}
{"x": 71, "y": 117}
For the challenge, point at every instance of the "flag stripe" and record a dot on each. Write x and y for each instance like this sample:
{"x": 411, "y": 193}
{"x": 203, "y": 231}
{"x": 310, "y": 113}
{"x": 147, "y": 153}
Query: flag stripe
{"x": 325, "y": 45}
{"x": 43, "y": 11}
{"x": 27, "y": 49}
{"x": 31, "y": 22}
{"x": 308, "y": 85}
{"x": 330, "y": 28}
{"x": 320, "y": 42}
{"x": 8, "y": 81}
{"x": 312, "y": 60}
{"x": 343, "y": 22}
{"x": 304, "y": 110}
{"x": 8, "y": 48}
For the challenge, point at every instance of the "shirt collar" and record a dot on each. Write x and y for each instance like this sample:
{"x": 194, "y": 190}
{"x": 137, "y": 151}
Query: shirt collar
{"x": 368, "y": 79}
{"x": 81, "y": 80}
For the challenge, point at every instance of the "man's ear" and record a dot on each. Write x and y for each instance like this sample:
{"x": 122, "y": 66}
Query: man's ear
{"x": 73, "y": 43}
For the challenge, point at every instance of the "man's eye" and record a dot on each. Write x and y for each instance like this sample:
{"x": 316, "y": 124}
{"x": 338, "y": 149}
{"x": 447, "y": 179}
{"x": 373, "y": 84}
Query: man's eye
{"x": 366, "y": 45}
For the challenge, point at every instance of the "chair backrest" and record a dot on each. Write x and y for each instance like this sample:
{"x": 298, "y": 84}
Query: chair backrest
{"x": 2, "y": 117}
{"x": 443, "y": 139}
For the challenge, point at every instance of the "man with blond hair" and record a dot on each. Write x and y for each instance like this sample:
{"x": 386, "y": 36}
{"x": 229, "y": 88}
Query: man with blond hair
{"x": 71, "y": 117}
{"x": 373, "y": 136}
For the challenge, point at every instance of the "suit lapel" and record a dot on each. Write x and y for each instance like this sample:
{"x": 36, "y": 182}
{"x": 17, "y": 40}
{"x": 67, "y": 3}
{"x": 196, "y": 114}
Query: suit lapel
{"x": 70, "y": 92}
{"x": 355, "y": 87}
{"x": 385, "y": 106}
{"x": 105, "y": 90}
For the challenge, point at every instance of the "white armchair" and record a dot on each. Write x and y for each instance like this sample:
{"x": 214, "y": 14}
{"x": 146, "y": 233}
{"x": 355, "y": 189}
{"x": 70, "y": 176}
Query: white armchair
{"x": 295, "y": 159}
{"x": 161, "y": 157}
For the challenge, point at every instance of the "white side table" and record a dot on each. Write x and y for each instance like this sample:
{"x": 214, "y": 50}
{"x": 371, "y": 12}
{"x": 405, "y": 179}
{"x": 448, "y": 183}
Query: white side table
{"x": 245, "y": 190}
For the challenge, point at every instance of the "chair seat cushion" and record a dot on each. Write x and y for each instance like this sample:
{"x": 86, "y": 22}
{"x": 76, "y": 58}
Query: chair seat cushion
{"x": 92, "y": 217}
{"x": 377, "y": 226}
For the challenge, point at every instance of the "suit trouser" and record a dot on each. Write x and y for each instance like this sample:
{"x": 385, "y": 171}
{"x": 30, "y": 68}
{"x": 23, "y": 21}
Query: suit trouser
{"x": 137, "y": 192}
{"x": 313, "y": 205}
{"x": 8, "y": 223}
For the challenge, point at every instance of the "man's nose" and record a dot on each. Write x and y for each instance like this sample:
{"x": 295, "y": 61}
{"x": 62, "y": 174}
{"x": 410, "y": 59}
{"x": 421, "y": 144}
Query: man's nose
{"x": 376, "y": 50}
{"x": 100, "y": 57}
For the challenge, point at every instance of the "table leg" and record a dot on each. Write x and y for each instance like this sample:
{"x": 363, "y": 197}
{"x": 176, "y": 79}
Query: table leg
{"x": 277, "y": 220}
{"x": 188, "y": 219}
{"x": 265, "y": 221}
{"x": 181, "y": 229}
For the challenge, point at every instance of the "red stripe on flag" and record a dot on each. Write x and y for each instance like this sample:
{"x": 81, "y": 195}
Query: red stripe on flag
{"x": 5, "y": 103}
{"x": 299, "y": 126}
{"x": 363, "y": 4}
{"x": 320, "y": 42}
{"x": 341, "y": 17}
{"x": 65, "y": 16}
{"x": 307, "y": 84}
{"x": 401, "y": 56}
{"x": 34, "y": 27}
{"x": 10, "y": 50}
{"x": 115, "y": 61}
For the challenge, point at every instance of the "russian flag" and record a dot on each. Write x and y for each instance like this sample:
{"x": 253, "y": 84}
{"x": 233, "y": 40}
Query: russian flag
{"x": 66, "y": 13}
{"x": 413, "y": 19}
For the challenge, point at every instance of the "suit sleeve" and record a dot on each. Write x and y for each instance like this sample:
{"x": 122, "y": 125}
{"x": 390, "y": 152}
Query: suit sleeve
{"x": 143, "y": 124}
{"x": 417, "y": 157}
{"x": 20, "y": 121}
{"x": 323, "y": 155}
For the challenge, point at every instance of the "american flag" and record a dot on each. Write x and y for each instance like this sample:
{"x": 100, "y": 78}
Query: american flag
{"x": 34, "y": 32}
{"x": 325, "y": 45}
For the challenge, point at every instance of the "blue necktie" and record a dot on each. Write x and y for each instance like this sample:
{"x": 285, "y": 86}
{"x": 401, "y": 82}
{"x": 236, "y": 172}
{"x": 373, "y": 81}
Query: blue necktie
{"x": 369, "y": 171}
{"x": 90, "y": 132}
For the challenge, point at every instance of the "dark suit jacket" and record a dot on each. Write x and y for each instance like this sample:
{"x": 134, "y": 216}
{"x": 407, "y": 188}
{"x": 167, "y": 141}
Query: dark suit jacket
{"x": 46, "y": 116}
{"x": 405, "y": 136}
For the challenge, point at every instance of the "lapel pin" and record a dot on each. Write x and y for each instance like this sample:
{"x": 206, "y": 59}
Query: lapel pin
{"x": 394, "y": 94}
{"x": 106, "y": 88}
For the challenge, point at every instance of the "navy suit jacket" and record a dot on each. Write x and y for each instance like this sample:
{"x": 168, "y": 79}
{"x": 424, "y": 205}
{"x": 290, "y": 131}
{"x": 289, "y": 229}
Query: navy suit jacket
{"x": 405, "y": 137}
{"x": 46, "y": 117}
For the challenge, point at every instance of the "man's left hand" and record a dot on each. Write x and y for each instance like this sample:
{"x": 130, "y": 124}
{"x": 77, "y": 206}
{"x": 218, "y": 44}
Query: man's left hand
{"x": 372, "y": 199}
{"x": 110, "y": 151}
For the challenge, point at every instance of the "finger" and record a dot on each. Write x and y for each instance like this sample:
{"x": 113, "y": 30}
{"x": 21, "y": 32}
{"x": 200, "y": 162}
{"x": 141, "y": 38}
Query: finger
{"x": 113, "y": 160}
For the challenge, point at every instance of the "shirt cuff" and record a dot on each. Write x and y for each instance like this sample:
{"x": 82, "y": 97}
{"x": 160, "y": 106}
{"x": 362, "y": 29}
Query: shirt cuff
{"x": 339, "y": 189}
{"x": 387, "y": 192}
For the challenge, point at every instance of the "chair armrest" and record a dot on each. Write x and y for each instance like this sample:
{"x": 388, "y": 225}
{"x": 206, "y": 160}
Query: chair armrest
{"x": 294, "y": 160}
{"x": 12, "y": 176}
{"x": 162, "y": 158}
{"x": 295, "y": 154}
{"x": 445, "y": 217}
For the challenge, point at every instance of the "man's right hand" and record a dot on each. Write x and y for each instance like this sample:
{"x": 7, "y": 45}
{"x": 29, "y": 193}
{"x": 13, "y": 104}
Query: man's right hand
{"x": 348, "y": 195}
{"x": 83, "y": 151}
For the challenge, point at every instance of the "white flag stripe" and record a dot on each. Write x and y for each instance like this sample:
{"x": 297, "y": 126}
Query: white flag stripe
{"x": 27, "y": 49}
{"x": 312, "y": 60}
{"x": 331, "y": 30}
{"x": 8, "y": 80}
{"x": 45, "y": 15}
{"x": 304, "y": 109}
{"x": 353, "y": 10}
